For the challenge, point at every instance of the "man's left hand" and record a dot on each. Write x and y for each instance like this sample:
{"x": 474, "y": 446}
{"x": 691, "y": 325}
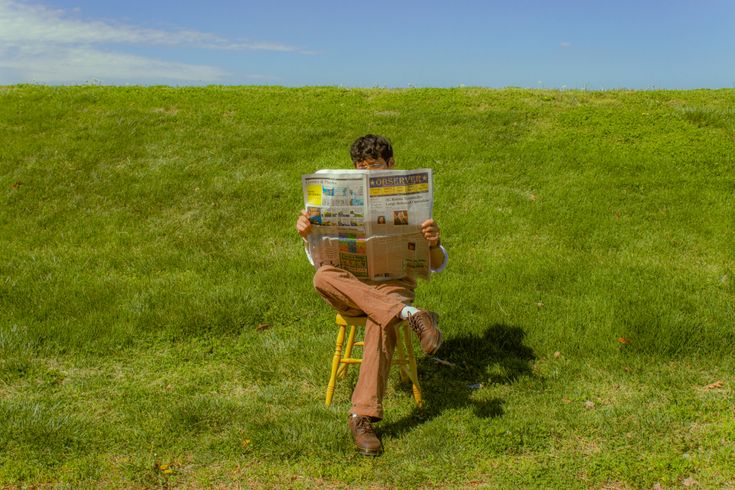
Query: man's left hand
{"x": 431, "y": 232}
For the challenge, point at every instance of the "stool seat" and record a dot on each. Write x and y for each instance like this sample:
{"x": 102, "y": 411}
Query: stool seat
{"x": 406, "y": 361}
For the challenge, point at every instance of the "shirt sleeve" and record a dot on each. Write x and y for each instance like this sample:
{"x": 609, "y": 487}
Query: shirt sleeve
{"x": 308, "y": 255}
{"x": 444, "y": 262}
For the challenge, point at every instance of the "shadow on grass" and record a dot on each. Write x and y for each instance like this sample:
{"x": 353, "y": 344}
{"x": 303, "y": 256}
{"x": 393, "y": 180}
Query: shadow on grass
{"x": 498, "y": 356}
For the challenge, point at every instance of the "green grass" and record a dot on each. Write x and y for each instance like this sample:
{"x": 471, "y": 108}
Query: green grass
{"x": 146, "y": 233}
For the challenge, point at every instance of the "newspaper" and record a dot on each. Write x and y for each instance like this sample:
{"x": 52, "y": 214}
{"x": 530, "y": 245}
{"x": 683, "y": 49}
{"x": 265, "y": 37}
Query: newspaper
{"x": 369, "y": 222}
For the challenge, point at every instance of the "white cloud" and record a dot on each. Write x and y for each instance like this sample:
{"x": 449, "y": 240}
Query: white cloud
{"x": 83, "y": 64}
{"x": 565, "y": 44}
{"x": 41, "y": 44}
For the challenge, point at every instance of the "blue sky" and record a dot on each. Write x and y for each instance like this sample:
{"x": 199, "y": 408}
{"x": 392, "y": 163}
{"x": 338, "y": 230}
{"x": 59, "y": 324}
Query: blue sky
{"x": 590, "y": 44}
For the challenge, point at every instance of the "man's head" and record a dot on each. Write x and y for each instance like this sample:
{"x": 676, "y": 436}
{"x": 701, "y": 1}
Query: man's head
{"x": 372, "y": 152}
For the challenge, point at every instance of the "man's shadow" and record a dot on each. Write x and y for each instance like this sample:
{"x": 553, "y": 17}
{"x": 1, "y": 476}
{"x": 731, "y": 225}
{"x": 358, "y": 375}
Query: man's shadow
{"x": 463, "y": 366}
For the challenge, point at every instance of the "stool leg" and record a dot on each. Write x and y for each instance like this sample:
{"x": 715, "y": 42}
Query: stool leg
{"x": 412, "y": 371}
{"x": 335, "y": 364}
{"x": 342, "y": 370}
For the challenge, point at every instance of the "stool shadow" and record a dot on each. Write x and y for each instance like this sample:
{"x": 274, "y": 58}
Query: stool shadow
{"x": 498, "y": 356}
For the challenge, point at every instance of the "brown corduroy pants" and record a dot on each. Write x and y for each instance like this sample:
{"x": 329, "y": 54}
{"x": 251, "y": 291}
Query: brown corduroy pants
{"x": 382, "y": 302}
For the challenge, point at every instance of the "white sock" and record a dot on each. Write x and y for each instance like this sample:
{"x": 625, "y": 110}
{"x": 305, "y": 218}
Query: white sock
{"x": 408, "y": 311}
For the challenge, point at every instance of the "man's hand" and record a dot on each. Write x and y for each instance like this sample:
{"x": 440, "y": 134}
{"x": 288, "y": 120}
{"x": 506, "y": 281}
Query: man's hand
{"x": 303, "y": 225}
{"x": 431, "y": 232}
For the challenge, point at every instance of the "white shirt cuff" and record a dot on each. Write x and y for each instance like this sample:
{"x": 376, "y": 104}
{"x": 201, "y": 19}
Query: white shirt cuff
{"x": 444, "y": 262}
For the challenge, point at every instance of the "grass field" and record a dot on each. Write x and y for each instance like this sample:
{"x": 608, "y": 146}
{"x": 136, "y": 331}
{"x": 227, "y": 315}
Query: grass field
{"x": 158, "y": 326}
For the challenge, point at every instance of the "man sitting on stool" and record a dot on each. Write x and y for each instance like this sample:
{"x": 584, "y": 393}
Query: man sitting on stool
{"x": 384, "y": 303}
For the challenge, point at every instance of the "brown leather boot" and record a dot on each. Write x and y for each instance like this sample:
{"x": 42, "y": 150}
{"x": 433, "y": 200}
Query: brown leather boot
{"x": 426, "y": 325}
{"x": 366, "y": 442}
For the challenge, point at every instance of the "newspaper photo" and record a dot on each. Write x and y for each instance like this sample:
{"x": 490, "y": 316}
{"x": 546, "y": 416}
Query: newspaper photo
{"x": 369, "y": 222}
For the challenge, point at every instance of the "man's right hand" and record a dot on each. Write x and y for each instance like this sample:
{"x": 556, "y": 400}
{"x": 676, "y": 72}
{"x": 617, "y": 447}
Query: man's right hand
{"x": 303, "y": 225}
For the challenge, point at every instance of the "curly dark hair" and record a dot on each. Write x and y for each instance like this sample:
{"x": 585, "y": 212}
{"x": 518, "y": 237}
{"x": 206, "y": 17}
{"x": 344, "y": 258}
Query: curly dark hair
{"x": 371, "y": 147}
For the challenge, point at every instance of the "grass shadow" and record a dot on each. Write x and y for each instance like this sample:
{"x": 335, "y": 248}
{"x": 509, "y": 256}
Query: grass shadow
{"x": 463, "y": 365}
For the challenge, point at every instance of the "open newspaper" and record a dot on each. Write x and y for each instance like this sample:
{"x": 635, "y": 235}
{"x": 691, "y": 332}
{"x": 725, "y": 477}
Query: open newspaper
{"x": 369, "y": 222}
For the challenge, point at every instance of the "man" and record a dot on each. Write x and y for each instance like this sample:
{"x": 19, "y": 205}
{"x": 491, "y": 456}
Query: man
{"x": 384, "y": 303}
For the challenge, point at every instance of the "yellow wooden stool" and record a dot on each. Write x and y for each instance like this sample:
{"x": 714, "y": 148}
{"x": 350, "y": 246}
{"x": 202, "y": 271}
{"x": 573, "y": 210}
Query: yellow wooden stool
{"x": 406, "y": 361}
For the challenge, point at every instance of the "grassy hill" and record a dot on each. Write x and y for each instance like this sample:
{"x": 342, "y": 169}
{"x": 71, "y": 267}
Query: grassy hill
{"x": 158, "y": 324}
